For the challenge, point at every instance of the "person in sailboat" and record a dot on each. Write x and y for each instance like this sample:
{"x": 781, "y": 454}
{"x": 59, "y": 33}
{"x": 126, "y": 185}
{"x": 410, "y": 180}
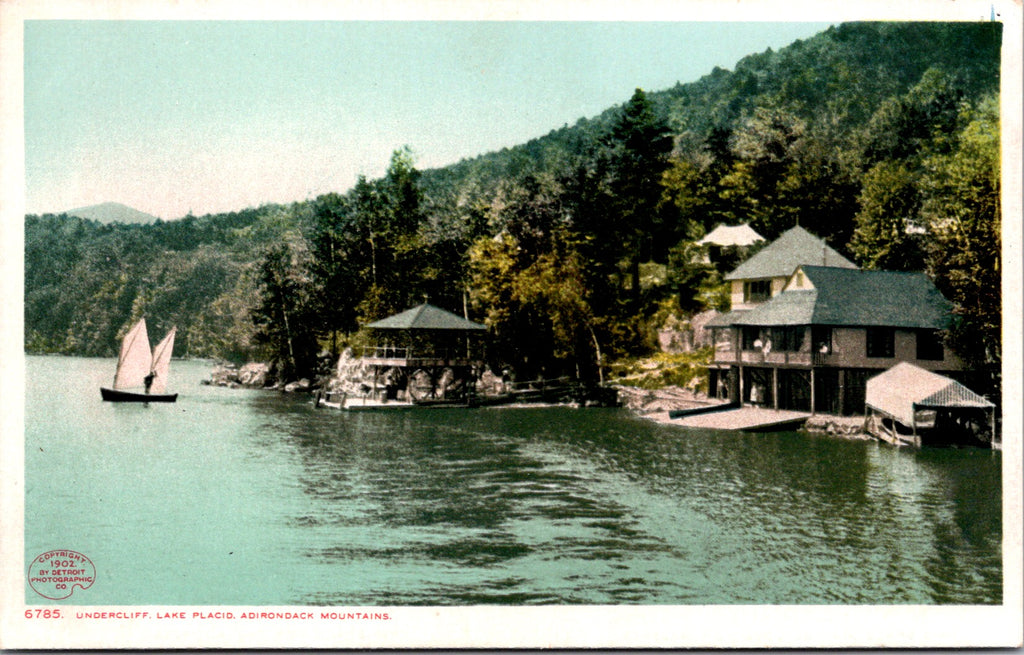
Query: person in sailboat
{"x": 149, "y": 380}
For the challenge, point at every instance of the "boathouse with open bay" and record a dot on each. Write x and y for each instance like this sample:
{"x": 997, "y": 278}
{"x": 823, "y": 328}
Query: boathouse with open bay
{"x": 908, "y": 405}
{"x": 808, "y": 328}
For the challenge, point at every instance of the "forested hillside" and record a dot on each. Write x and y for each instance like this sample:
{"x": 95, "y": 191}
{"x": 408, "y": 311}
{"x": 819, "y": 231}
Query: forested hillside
{"x": 882, "y": 138}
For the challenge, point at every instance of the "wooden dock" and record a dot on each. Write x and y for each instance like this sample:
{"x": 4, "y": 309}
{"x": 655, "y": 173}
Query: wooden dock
{"x": 746, "y": 419}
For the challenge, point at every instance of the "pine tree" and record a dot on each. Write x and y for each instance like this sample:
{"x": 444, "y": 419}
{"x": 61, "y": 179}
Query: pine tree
{"x": 641, "y": 143}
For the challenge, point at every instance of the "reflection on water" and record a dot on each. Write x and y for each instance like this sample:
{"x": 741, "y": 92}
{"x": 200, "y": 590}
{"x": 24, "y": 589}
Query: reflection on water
{"x": 516, "y": 506}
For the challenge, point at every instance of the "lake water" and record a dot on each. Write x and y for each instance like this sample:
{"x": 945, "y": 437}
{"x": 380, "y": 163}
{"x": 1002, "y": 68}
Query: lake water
{"x": 248, "y": 497}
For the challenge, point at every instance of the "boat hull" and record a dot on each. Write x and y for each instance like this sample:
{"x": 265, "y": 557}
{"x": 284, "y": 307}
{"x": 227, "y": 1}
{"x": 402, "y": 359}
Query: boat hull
{"x": 115, "y": 396}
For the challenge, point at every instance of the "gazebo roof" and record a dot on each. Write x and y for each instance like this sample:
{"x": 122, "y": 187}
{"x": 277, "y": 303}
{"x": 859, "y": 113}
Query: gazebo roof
{"x": 427, "y": 317}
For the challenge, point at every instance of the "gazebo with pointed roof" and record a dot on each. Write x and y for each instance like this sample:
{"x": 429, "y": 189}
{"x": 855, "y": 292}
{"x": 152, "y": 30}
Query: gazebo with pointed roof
{"x": 427, "y": 317}
{"x": 424, "y": 336}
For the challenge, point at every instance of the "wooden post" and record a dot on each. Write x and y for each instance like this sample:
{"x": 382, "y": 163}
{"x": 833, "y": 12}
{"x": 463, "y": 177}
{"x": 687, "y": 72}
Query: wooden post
{"x": 812, "y": 390}
{"x": 842, "y": 390}
{"x": 739, "y": 400}
{"x": 992, "y": 427}
{"x": 775, "y": 388}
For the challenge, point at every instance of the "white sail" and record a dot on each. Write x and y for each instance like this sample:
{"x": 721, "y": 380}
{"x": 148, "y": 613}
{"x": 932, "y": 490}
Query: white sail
{"x": 162, "y": 362}
{"x": 134, "y": 362}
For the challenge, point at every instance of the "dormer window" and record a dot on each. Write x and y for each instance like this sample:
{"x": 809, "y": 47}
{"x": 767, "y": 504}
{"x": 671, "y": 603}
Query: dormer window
{"x": 757, "y": 291}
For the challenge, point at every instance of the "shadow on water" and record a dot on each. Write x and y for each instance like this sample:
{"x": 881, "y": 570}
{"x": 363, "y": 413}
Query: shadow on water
{"x": 555, "y": 505}
{"x": 966, "y": 521}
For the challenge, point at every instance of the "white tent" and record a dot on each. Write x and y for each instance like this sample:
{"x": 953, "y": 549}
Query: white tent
{"x": 731, "y": 235}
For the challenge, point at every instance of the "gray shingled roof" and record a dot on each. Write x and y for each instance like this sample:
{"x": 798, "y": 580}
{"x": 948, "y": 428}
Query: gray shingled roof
{"x": 780, "y": 258}
{"x": 426, "y": 317}
{"x": 852, "y": 297}
{"x": 787, "y": 308}
{"x": 726, "y": 319}
{"x": 905, "y": 388}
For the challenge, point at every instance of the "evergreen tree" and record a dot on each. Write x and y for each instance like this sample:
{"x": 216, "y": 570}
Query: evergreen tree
{"x": 284, "y": 318}
{"x": 337, "y": 268}
{"x": 640, "y": 145}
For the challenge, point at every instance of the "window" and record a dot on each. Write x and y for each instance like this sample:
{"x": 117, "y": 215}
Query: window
{"x": 757, "y": 291}
{"x": 788, "y": 339}
{"x": 750, "y": 335}
{"x": 929, "y": 345}
{"x": 881, "y": 342}
{"x": 821, "y": 339}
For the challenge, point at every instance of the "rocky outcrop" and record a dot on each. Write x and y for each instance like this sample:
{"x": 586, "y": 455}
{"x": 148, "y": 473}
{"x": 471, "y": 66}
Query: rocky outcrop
{"x": 351, "y": 377}
{"x": 254, "y": 375}
{"x": 666, "y": 399}
{"x": 685, "y": 335}
{"x": 303, "y": 385}
{"x": 851, "y": 427}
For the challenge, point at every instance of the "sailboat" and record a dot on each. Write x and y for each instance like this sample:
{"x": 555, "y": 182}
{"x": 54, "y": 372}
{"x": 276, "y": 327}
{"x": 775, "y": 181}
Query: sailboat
{"x": 141, "y": 375}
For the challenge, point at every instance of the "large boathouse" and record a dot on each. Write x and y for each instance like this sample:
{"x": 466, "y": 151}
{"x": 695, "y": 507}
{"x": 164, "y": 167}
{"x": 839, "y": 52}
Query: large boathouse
{"x": 808, "y": 328}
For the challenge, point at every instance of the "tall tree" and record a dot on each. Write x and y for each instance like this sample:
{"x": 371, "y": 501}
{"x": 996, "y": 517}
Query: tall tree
{"x": 963, "y": 216}
{"x": 338, "y": 267}
{"x": 284, "y": 318}
{"x": 641, "y": 144}
{"x": 888, "y": 234}
{"x": 390, "y": 212}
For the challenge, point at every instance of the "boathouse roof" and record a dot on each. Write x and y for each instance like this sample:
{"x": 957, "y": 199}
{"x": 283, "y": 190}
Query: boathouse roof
{"x": 731, "y": 235}
{"x": 905, "y": 388}
{"x": 781, "y": 257}
{"x": 852, "y": 297}
{"x": 426, "y": 317}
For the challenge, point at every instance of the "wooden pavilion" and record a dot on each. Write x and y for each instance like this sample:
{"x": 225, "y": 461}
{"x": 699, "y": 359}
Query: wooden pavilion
{"x": 425, "y": 354}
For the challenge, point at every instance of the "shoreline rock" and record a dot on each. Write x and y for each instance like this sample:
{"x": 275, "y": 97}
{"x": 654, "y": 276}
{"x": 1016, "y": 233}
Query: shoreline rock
{"x": 849, "y": 427}
{"x": 665, "y": 399}
{"x": 654, "y": 404}
{"x": 253, "y": 375}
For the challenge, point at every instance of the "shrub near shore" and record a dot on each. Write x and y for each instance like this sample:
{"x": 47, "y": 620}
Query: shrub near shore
{"x": 685, "y": 370}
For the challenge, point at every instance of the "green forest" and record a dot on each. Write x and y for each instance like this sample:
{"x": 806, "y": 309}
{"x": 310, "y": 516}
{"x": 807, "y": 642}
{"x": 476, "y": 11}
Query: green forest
{"x": 573, "y": 248}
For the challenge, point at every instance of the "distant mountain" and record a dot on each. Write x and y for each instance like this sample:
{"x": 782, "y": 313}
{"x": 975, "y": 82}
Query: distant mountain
{"x": 845, "y": 129}
{"x": 113, "y": 212}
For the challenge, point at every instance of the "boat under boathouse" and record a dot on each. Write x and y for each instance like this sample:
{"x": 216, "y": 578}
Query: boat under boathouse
{"x": 908, "y": 405}
{"x": 422, "y": 355}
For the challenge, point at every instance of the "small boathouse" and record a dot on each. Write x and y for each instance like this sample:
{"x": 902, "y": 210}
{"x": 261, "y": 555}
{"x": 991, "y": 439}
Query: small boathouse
{"x": 908, "y": 405}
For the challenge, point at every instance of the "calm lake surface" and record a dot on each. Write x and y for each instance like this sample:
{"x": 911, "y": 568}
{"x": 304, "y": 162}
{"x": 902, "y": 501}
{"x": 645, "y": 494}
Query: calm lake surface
{"x": 247, "y": 497}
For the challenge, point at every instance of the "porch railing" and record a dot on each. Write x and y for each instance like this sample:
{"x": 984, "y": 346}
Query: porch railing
{"x": 413, "y": 356}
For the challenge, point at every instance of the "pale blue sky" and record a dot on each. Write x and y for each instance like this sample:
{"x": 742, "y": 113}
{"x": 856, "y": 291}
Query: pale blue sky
{"x": 173, "y": 116}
